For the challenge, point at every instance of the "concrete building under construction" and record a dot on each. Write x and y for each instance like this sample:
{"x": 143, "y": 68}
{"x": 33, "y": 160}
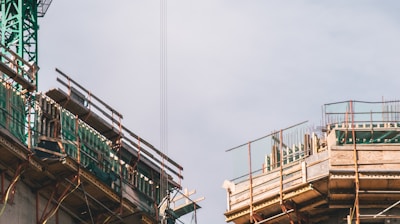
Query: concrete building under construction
{"x": 65, "y": 155}
{"x": 347, "y": 171}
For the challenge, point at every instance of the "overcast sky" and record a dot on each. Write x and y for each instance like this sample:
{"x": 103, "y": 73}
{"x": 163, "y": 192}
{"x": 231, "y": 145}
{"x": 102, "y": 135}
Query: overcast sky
{"x": 237, "y": 69}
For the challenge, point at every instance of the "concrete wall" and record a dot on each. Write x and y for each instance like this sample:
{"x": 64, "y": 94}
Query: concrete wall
{"x": 366, "y": 216}
{"x": 23, "y": 208}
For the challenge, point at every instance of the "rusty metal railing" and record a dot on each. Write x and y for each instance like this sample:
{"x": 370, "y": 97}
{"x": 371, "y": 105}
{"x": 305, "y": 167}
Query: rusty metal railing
{"x": 18, "y": 69}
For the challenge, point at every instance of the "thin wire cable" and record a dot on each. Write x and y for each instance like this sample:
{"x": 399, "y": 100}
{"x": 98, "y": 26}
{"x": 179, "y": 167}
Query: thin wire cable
{"x": 163, "y": 91}
{"x": 59, "y": 203}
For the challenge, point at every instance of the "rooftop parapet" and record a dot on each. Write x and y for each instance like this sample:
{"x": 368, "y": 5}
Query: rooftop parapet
{"x": 352, "y": 167}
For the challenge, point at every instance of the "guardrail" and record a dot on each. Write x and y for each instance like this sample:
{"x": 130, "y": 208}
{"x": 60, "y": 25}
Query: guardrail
{"x": 354, "y": 112}
{"x": 18, "y": 69}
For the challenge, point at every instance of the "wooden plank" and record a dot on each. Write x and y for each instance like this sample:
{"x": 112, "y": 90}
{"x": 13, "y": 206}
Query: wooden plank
{"x": 16, "y": 77}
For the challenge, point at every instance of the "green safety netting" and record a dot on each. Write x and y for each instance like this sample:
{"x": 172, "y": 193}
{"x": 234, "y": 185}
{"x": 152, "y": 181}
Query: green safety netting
{"x": 97, "y": 155}
{"x": 367, "y": 136}
{"x": 96, "y": 152}
{"x": 13, "y": 111}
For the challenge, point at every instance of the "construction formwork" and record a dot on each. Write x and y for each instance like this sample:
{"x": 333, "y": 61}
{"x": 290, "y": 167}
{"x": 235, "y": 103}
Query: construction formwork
{"x": 347, "y": 173}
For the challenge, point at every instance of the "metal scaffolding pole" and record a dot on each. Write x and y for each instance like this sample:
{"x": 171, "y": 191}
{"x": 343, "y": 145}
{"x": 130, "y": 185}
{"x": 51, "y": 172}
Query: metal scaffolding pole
{"x": 251, "y": 184}
{"x": 356, "y": 174}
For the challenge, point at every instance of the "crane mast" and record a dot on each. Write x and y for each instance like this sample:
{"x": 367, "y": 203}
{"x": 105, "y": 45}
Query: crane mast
{"x": 19, "y": 26}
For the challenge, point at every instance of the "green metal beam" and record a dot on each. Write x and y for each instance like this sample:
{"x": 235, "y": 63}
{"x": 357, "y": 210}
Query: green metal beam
{"x": 19, "y": 27}
{"x": 19, "y": 45}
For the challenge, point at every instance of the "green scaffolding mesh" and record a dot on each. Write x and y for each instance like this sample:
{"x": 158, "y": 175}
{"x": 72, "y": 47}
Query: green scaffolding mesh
{"x": 3, "y": 105}
{"x": 68, "y": 133}
{"x": 98, "y": 154}
{"x": 13, "y": 111}
{"x": 96, "y": 151}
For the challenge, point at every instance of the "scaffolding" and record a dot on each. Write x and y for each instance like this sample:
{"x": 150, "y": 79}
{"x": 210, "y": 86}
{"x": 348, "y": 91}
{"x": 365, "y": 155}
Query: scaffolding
{"x": 345, "y": 173}
{"x": 70, "y": 147}
{"x": 74, "y": 151}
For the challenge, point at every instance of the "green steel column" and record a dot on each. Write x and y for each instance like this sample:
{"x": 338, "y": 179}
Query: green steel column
{"x": 19, "y": 27}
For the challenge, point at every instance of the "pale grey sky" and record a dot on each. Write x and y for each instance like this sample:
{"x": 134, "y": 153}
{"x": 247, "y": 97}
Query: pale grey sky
{"x": 237, "y": 69}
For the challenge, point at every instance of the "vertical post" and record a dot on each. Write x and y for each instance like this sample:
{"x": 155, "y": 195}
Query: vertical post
{"x": 251, "y": 183}
{"x": 383, "y": 110}
{"x": 355, "y": 156}
{"x": 186, "y": 194}
{"x": 304, "y": 171}
{"x": 283, "y": 206}
{"x": 37, "y": 206}
{"x": 57, "y": 217}
{"x": 120, "y": 164}
{"x": 9, "y": 118}
{"x": 78, "y": 145}
{"x": 180, "y": 179}
{"x": 228, "y": 199}
{"x": 195, "y": 213}
{"x": 120, "y": 180}
{"x": 78, "y": 149}
{"x": 306, "y": 145}
{"x": 29, "y": 124}
{"x": 281, "y": 166}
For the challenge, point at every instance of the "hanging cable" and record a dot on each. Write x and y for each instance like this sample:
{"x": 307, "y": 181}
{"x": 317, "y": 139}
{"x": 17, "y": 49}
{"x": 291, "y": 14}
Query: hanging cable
{"x": 64, "y": 196}
{"x": 58, "y": 205}
{"x": 12, "y": 184}
{"x": 11, "y": 187}
{"x": 163, "y": 93}
{"x": 107, "y": 219}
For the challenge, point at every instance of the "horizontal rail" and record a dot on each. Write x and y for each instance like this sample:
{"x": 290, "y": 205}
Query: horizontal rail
{"x": 124, "y": 129}
{"x": 17, "y": 68}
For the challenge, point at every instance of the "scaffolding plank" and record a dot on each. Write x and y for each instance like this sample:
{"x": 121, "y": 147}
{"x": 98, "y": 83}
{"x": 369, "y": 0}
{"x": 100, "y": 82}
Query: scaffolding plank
{"x": 16, "y": 77}
{"x": 185, "y": 209}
